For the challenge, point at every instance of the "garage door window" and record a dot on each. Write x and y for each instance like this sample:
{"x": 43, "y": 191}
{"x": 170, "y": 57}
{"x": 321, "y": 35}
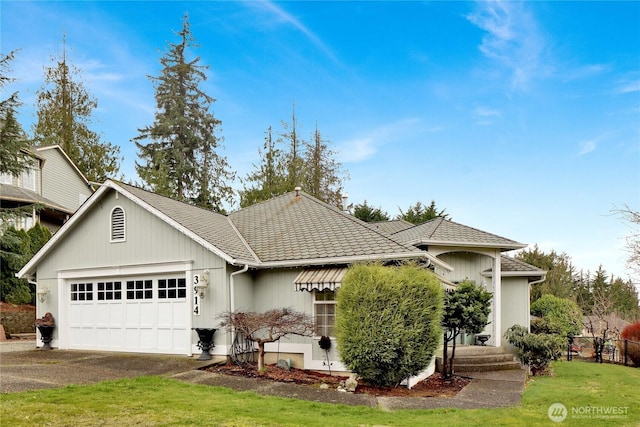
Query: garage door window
{"x": 172, "y": 288}
{"x": 139, "y": 289}
{"x": 109, "y": 291}
{"x": 81, "y": 291}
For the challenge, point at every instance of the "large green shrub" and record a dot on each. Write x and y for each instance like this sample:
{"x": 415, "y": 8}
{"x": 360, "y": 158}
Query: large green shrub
{"x": 388, "y": 321}
{"x": 535, "y": 350}
{"x": 556, "y": 316}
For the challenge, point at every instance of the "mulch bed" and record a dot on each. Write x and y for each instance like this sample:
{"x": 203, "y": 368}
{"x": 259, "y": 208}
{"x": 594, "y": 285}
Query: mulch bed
{"x": 433, "y": 386}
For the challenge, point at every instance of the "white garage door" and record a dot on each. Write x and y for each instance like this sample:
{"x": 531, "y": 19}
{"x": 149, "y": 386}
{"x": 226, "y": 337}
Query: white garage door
{"x": 141, "y": 314}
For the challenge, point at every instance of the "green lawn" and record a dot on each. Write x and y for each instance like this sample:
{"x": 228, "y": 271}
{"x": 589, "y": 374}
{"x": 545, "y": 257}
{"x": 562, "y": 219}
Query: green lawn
{"x": 161, "y": 401}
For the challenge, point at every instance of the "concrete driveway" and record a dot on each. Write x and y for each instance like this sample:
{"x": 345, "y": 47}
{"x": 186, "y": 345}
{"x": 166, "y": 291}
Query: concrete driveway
{"x": 23, "y": 368}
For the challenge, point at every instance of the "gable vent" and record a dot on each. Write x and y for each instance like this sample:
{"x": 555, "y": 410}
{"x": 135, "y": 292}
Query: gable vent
{"x": 117, "y": 224}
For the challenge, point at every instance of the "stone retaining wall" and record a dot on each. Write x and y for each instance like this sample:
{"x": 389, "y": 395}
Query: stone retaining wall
{"x": 18, "y": 322}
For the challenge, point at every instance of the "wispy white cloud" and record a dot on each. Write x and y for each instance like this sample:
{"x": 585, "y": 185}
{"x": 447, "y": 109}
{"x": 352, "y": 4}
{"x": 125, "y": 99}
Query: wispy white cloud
{"x": 587, "y": 147}
{"x": 364, "y": 146}
{"x": 485, "y": 115}
{"x": 513, "y": 40}
{"x": 584, "y": 72}
{"x": 591, "y": 145}
{"x": 285, "y": 17}
{"x": 628, "y": 86}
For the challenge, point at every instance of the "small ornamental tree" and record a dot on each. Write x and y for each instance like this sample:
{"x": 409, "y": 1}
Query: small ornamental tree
{"x": 466, "y": 308}
{"x": 556, "y": 316}
{"x": 388, "y": 321}
{"x": 269, "y": 326}
{"x": 535, "y": 350}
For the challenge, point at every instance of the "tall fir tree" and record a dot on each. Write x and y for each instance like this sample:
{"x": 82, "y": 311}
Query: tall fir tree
{"x": 64, "y": 119}
{"x": 181, "y": 160}
{"x": 268, "y": 179}
{"x": 14, "y": 146}
{"x": 293, "y": 154}
{"x": 291, "y": 162}
{"x": 322, "y": 172}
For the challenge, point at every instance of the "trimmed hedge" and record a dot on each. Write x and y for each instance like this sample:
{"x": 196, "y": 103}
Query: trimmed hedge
{"x": 556, "y": 316}
{"x": 388, "y": 321}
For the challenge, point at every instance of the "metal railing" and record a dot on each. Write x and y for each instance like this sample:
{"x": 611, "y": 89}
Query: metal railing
{"x": 611, "y": 350}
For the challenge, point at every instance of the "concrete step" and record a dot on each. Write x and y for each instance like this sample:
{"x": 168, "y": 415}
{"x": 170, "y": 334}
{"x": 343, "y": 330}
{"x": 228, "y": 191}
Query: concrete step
{"x": 481, "y": 359}
{"x": 477, "y": 350}
{"x": 484, "y": 358}
{"x": 486, "y": 367}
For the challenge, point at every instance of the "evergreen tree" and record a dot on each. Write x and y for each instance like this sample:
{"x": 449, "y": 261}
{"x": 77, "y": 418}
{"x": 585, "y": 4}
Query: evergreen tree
{"x": 290, "y": 162}
{"x": 293, "y": 155}
{"x": 181, "y": 159}
{"x": 322, "y": 171}
{"x": 368, "y": 213}
{"x": 419, "y": 213}
{"x": 268, "y": 178}
{"x": 560, "y": 273}
{"x": 14, "y": 157}
{"x": 64, "y": 117}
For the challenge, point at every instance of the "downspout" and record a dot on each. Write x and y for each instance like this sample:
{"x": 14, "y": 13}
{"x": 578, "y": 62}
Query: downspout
{"x": 232, "y": 294}
{"x": 232, "y": 305}
{"x": 535, "y": 282}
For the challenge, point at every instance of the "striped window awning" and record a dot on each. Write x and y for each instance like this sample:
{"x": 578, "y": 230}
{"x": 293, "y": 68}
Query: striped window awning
{"x": 320, "y": 279}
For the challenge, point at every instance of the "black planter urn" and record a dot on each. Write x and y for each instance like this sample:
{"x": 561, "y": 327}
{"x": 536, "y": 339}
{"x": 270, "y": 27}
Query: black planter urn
{"x": 46, "y": 334}
{"x": 46, "y": 325}
{"x": 205, "y": 343}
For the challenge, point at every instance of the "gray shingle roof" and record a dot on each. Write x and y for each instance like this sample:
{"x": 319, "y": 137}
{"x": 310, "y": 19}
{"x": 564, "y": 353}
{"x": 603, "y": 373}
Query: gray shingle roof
{"x": 440, "y": 231}
{"x": 295, "y": 227}
{"x": 23, "y": 195}
{"x": 514, "y": 267}
{"x": 213, "y": 227}
{"x": 290, "y": 229}
{"x": 392, "y": 226}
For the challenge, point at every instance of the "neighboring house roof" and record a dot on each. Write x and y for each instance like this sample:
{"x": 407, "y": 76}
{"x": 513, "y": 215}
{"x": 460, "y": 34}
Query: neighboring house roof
{"x": 21, "y": 195}
{"x": 43, "y": 151}
{"x": 513, "y": 267}
{"x": 443, "y": 232}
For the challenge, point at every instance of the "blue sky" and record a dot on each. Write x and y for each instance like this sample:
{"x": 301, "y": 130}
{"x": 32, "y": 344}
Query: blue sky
{"x": 521, "y": 119}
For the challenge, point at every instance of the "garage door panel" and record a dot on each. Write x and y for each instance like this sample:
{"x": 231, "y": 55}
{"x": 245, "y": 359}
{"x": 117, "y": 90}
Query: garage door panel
{"x": 147, "y": 314}
{"x": 101, "y": 319}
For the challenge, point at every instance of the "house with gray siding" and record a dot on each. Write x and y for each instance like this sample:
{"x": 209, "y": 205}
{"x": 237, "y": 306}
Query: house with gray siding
{"x": 134, "y": 271}
{"x": 52, "y": 183}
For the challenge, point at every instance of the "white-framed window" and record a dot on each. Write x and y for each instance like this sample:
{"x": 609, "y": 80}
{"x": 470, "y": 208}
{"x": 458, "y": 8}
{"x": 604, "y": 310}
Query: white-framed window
{"x": 172, "y": 288}
{"x": 324, "y": 312}
{"x": 29, "y": 179}
{"x": 109, "y": 291}
{"x": 82, "y": 292}
{"x": 118, "y": 225}
{"x": 6, "y": 178}
{"x": 139, "y": 289}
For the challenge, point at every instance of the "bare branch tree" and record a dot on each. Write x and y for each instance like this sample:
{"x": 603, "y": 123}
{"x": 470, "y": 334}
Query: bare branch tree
{"x": 633, "y": 239}
{"x": 267, "y": 327}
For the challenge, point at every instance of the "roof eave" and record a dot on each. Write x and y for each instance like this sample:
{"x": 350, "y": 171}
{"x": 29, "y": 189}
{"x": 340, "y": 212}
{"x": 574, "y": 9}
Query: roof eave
{"x": 354, "y": 259}
{"x": 28, "y": 267}
{"x": 502, "y": 247}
